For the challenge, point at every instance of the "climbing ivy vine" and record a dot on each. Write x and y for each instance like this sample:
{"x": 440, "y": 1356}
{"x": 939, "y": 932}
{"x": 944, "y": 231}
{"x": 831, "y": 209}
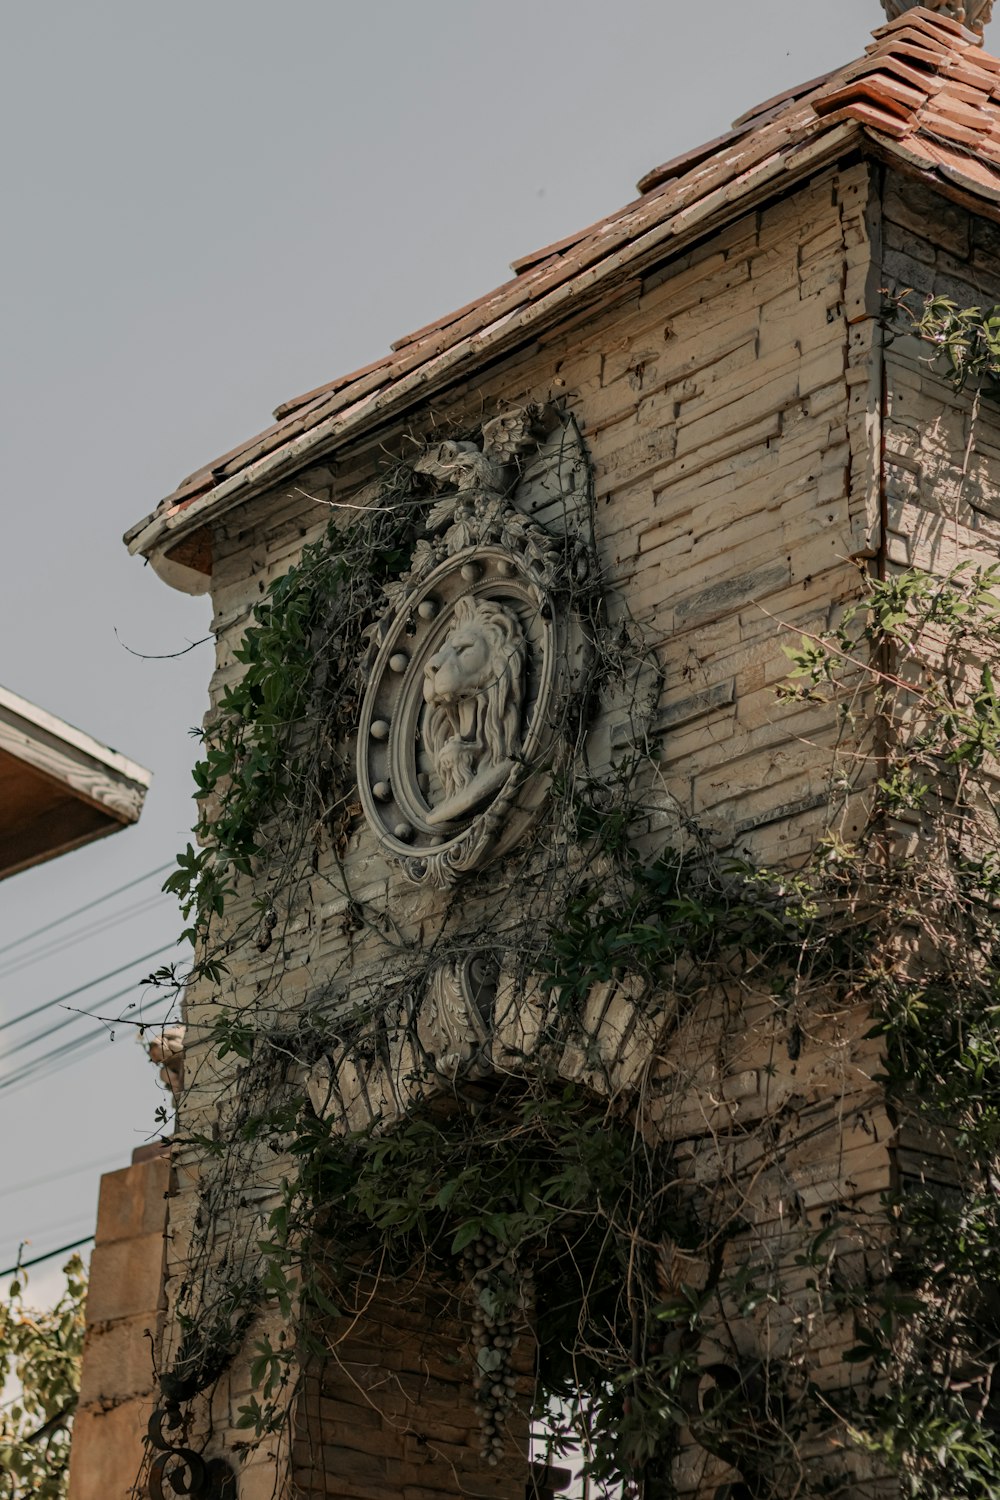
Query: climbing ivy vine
{"x": 273, "y": 756}
{"x": 566, "y": 1216}
{"x": 965, "y": 340}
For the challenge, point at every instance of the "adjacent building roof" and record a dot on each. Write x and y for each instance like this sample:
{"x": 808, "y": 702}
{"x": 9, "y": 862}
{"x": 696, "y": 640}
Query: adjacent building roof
{"x": 58, "y": 787}
{"x": 925, "y": 98}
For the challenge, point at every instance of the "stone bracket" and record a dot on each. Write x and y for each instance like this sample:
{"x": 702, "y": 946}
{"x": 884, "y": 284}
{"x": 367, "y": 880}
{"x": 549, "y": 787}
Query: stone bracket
{"x": 476, "y": 1023}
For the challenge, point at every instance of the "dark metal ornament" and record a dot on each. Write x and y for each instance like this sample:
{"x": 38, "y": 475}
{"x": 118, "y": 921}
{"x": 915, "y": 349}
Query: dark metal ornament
{"x": 177, "y": 1470}
{"x": 974, "y": 13}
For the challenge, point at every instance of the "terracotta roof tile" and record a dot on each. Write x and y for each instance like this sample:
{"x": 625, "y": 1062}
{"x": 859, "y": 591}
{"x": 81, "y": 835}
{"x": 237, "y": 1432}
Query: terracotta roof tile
{"x": 924, "y": 97}
{"x": 765, "y": 111}
{"x": 869, "y": 113}
{"x": 878, "y": 89}
{"x": 939, "y": 126}
{"x": 976, "y": 116}
{"x": 974, "y": 171}
{"x": 926, "y": 81}
{"x": 678, "y": 166}
{"x": 296, "y": 402}
{"x": 919, "y": 56}
{"x": 966, "y": 93}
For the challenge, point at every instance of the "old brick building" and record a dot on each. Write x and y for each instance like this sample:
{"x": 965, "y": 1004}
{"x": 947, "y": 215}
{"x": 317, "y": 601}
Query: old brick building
{"x": 710, "y": 361}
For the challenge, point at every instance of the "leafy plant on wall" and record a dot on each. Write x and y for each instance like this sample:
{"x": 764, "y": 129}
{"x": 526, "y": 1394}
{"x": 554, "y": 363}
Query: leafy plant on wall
{"x": 563, "y": 1212}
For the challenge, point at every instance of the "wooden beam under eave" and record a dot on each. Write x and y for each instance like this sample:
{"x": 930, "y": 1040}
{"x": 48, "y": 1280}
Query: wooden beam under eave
{"x": 59, "y": 788}
{"x": 41, "y": 823}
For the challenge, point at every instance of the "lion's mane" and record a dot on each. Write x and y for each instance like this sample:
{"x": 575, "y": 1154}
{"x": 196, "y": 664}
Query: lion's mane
{"x": 499, "y": 695}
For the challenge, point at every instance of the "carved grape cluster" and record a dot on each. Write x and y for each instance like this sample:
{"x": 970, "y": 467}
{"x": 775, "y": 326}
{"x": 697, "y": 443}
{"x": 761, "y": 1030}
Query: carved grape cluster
{"x": 498, "y": 1293}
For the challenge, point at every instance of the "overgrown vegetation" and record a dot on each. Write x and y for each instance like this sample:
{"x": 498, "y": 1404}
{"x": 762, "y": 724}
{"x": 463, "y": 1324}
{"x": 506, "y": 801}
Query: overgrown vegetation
{"x": 927, "y": 1329}
{"x": 599, "y": 1220}
{"x": 40, "y": 1380}
{"x": 965, "y": 340}
{"x": 273, "y": 762}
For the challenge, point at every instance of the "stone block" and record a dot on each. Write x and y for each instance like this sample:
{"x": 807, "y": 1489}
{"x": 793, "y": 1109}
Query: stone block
{"x": 348, "y": 1463}
{"x": 107, "y": 1451}
{"x": 132, "y": 1200}
{"x": 125, "y": 1279}
{"x": 118, "y": 1360}
{"x": 258, "y": 1482}
{"x": 523, "y": 1011}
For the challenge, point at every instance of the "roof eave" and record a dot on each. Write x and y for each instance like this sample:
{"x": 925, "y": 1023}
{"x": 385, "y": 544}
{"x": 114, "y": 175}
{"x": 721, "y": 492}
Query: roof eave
{"x": 159, "y": 533}
{"x": 63, "y": 788}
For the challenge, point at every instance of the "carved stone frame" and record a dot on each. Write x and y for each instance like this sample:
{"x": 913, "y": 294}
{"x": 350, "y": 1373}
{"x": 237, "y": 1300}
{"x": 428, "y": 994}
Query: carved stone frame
{"x": 491, "y": 552}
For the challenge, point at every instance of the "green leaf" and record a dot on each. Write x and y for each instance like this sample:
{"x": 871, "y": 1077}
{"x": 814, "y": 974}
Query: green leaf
{"x": 443, "y": 1198}
{"x": 465, "y": 1234}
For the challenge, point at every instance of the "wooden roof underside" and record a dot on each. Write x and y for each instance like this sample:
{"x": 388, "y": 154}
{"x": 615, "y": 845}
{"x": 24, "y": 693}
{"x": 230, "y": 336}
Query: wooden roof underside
{"x": 58, "y": 787}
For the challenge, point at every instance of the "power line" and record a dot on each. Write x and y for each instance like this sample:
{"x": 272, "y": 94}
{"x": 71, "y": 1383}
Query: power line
{"x": 91, "y": 983}
{"x": 97, "y": 901}
{"x": 74, "y": 1020}
{"x": 36, "y": 1233}
{"x": 36, "y": 1064}
{"x": 65, "y": 1055}
{"x": 70, "y": 939}
{"x": 40, "y": 1036}
{"x": 74, "y": 1171}
{"x": 40, "y": 1064}
{"x": 50, "y": 1255}
{"x": 51, "y": 1062}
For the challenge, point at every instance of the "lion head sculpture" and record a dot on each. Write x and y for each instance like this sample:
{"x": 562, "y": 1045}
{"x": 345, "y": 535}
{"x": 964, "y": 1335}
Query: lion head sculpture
{"x": 474, "y": 691}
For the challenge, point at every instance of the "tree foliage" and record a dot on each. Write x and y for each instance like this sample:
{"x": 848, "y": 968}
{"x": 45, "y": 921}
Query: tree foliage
{"x": 40, "y": 1375}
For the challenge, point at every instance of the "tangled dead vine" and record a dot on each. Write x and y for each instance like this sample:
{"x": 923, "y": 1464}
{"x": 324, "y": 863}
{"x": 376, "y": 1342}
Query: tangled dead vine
{"x": 565, "y": 1215}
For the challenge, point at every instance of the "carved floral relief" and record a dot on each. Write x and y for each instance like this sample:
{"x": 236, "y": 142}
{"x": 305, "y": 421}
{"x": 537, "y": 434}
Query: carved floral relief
{"x": 975, "y": 13}
{"x": 479, "y": 1018}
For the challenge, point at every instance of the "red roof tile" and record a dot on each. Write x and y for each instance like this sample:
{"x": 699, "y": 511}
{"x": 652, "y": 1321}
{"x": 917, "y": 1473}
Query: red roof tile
{"x": 924, "y": 97}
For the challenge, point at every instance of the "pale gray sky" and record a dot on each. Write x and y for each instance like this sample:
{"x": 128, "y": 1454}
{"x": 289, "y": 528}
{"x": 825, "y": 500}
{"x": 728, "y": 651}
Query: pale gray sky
{"x": 210, "y": 206}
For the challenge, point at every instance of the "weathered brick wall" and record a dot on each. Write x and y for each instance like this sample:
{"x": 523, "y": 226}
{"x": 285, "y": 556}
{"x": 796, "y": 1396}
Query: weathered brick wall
{"x": 941, "y": 477}
{"x": 124, "y": 1312}
{"x": 730, "y": 406}
{"x": 942, "y": 466}
{"x": 391, "y": 1409}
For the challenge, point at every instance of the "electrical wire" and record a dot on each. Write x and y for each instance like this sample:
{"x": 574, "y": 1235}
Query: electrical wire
{"x": 57, "y": 1228}
{"x": 88, "y": 906}
{"x": 52, "y": 1062}
{"x": 81, "y": 1047}
{"x": 35, "y": 1065}
{"x": 91, "y": 983}
{"x": 71, "y": 939}
{"x": 49, "y": 1255}
{"x": 41, "y": 1036}
{"x": 75, "y": 1171}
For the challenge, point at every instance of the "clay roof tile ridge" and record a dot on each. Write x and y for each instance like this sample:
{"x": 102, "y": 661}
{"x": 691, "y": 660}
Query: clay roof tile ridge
{"x": 924, "y": 79}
